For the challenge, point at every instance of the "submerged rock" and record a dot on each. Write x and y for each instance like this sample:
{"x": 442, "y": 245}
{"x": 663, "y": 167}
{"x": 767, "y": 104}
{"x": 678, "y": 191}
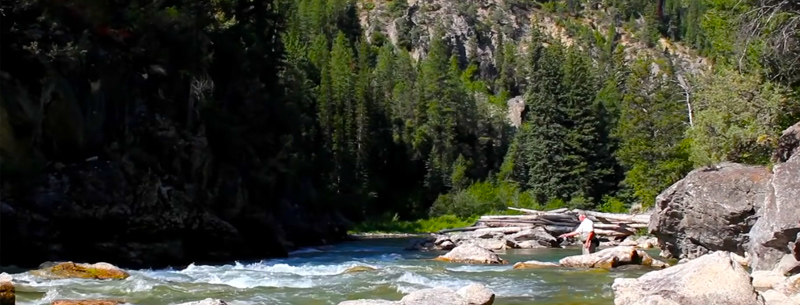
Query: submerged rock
{"x": 471, "y": 254}
{"x": 534, "y": 265}
{"x": 710, "y": 279}
{"x": 711, "y": 209}
{"x": 474, "y": 294}
{"x": 7, "y": 290}
{"x": 477, "y": 294}
{"x": 86, "y": 302}
{"x": 100, "y": 271}
{"x": 208, "y": 301}
{"x": 355, "y": 269}
{"x": 612, "y": 258}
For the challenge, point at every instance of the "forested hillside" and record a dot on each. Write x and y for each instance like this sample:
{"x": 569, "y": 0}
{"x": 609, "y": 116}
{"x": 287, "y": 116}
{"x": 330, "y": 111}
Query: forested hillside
{"x": 244, "y": 117}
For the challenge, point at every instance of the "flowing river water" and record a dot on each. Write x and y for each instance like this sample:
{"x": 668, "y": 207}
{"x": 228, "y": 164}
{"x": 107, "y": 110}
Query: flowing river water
{"x": 318, "y": 276}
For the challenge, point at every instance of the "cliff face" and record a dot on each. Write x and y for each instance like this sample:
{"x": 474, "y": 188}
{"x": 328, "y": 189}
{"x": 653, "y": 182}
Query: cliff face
{"x": 477, "y": 30}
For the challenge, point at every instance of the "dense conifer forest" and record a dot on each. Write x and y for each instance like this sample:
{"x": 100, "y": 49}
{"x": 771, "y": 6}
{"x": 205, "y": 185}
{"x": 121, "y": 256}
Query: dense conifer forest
{"x": 300, "y": 99}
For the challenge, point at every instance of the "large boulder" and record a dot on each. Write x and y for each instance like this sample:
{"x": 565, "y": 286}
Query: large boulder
{"x": 538, "y": 235}
{"x": 471, "y": 254}
{"x": 774, "y": 235}
{"x": 711, "y": 209}
{"x": 710, "y": 279}
{"x": 7, "y": 290}
{"x": 100, "y": 271}
{"x": 612, "y": 258}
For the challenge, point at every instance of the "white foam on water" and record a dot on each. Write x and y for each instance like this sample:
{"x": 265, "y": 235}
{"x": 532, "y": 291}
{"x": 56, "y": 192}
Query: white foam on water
{"x": 420, "y": 282}
{"x": 477, "y": 268}
{"x": 305, "y": 250}
{"x": 304, "y": 270}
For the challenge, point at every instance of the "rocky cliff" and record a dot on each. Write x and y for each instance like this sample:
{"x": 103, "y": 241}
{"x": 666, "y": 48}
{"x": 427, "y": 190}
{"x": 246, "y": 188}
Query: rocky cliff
{"x": 737, "y": 208}
{"x": 479, "y": 30}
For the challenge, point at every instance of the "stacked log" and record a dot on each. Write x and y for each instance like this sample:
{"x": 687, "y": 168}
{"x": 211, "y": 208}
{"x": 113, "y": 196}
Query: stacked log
{"x": 607, "y": 225}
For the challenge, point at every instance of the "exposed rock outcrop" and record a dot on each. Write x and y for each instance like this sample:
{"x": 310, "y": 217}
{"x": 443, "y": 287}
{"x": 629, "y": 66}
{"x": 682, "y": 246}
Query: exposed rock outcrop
{"x": 471, "y": 254}
{"x": 774, "y": 235}
{"x": 711, "y": 209}
{"x": 99, "y": 271}
{"x": 474, "y": 294}
{"x": 710, "y": 279}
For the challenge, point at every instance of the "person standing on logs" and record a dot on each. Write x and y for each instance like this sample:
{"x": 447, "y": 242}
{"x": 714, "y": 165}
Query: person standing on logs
{"x": 587, "y": 235}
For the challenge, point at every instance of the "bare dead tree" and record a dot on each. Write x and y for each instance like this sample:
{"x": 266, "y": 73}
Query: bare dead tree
{"x": 777, "y": 22}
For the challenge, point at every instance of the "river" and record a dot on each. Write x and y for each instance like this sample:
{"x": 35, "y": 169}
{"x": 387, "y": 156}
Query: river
{"x": 317, "y": 276}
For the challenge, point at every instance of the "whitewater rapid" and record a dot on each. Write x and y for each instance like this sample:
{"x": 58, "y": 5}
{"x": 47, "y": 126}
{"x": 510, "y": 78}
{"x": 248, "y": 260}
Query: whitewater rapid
{"x": 320, "y": 276}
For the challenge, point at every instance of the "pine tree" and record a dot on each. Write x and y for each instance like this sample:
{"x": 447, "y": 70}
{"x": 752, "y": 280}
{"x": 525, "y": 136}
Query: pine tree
{"x": 546, "y": 153}
{"x": 363, "y": 113}
{"x": 342, "y": 72}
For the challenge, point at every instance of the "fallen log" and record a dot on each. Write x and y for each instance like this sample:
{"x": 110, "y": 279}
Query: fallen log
{"x": 462, "y": 229}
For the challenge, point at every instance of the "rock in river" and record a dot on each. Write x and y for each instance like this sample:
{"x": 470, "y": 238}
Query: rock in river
{"x": 475, "y": 294}
{"x": 471, "y": 254}
{"x": 711, "y": 209}
{"x": 208, "y": 301}
{"x": 100, "y": 271}
{"x": 710, "y": 279}
{"x": 773, "y": 238}
{"x": 7, "y": 291}
{"x": 612, "y": 258}
{"x": 86, "y": 302}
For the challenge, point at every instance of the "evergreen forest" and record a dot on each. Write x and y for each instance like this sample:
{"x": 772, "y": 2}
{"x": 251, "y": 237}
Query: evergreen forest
{"x": 355, "y": 107}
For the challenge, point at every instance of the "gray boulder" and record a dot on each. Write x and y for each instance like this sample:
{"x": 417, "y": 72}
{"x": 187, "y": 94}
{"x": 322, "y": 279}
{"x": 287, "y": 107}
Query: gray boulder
{"x": 471, "y": 254}
{"x": 710, "y": 279}
{"x": 775, "y": 234}
{"x": 711, "y": 209}
{"x": 538, "y": 234}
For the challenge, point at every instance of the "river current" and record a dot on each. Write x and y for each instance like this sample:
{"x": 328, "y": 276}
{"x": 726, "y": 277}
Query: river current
{"x": 317, "y": 276}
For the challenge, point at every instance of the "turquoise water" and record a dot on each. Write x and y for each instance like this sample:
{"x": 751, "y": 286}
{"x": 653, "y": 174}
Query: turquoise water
{"x": 317, "y": 276}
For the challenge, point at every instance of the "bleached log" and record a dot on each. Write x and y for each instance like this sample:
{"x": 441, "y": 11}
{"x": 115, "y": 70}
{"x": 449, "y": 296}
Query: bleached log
{"x": 561, "y": 210}
{"x": 529, "y": 211}
{"x": 504, "y": 230}
{"x": 638, "y": 218}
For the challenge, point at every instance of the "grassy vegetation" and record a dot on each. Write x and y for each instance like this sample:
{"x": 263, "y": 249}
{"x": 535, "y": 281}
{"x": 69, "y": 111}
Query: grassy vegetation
{"x": 394, "y": 225}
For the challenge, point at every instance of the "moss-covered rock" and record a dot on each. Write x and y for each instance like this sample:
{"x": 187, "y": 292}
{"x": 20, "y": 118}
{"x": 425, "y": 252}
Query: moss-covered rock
{"x": 100, "y": 271}
{"x": 355, "y": 269}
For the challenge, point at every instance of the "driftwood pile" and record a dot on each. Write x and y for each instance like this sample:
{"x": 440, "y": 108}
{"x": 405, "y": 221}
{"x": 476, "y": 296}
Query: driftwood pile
{"x": 609, "y": 225}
